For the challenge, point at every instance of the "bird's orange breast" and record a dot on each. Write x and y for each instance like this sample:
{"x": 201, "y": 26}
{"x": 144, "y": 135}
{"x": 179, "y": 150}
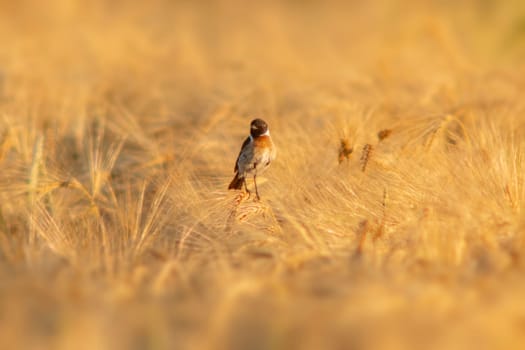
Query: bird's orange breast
{"x": 263, "y": 141}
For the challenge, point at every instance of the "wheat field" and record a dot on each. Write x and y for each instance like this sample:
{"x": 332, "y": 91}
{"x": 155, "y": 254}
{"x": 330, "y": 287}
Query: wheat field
{"x": 392, "y": 218}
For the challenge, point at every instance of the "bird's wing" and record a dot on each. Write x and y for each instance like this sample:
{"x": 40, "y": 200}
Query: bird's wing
{"x": 244, "y": 144}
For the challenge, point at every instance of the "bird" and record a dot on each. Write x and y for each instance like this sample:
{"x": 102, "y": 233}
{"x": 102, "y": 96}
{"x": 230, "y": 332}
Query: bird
{"x": 257, "y": 152}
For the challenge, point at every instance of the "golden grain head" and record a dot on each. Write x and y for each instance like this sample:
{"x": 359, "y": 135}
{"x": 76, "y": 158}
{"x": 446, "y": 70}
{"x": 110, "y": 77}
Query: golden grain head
{"x": 345, "y": 150}
{"x": 383, "y": 134}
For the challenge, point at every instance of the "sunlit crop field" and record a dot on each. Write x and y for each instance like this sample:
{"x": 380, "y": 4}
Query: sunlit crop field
{"x": 393, "y": 216}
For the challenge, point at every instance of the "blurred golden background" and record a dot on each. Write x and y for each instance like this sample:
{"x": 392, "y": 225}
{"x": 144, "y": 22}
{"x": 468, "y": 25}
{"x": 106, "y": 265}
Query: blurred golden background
{"x": 392, "y": 217}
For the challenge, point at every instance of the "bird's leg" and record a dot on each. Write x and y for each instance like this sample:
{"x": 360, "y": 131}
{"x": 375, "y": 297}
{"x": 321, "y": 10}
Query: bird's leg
{"x": 246, "y": 186}
{"x": 255, "y": 184}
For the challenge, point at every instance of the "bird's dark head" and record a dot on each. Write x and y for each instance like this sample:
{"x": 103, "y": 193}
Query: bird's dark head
{"x": 258, "y": 127}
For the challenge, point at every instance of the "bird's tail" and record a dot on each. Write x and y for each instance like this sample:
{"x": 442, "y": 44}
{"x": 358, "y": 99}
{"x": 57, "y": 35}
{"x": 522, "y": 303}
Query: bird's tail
{"x": 236, "y": 183}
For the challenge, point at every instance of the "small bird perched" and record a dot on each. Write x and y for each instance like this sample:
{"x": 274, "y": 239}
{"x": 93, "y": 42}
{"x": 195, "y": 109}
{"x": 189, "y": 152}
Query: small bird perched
{"x": 257, "y": 152}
